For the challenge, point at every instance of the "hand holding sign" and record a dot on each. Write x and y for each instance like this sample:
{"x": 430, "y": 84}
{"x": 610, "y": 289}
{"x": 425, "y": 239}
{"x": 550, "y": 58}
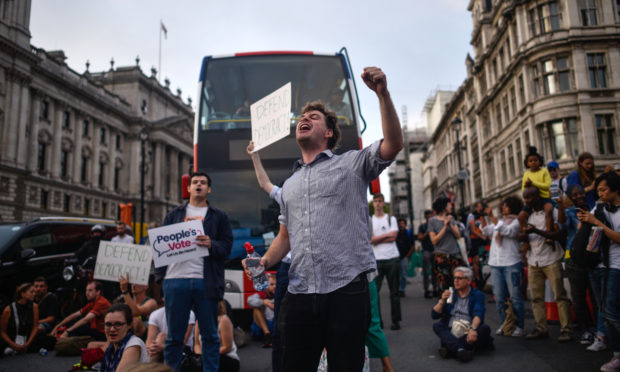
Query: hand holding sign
{"x": 179, "y": 242}
{"x": 116, "y": 259}
{"x": 271, "y": 117}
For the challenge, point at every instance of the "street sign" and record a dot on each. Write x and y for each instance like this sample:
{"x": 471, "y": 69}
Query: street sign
{"x": 462, "y": 174}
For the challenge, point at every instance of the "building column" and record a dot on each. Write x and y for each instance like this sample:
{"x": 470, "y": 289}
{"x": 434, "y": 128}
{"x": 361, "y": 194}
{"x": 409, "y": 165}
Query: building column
{"x": 22, "y": 144}
{"x": 134, "y": 167}
{"x": 174, "y": 173}
{"x": 77, "y": 148}
{"x": 94, "y": 166}
{"x": 157, "y": 167}
{"x": 56, "y": 140}
{"x": 33, "y": 140}
{"x": 582, "y": 80}
{"x": 570, "y": 16}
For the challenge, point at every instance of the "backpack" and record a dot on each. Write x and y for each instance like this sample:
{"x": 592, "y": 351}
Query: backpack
{"x": 578, "y": 253}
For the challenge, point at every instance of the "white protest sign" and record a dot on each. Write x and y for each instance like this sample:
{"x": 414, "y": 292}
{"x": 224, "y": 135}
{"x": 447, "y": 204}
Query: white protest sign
{"x": 115, "y": 259}
{"x": 176, "y": 243}
{"x": 271, "y": 117}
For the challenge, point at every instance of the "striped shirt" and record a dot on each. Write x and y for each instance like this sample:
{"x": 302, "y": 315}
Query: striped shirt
{"x": 325, "y": 209}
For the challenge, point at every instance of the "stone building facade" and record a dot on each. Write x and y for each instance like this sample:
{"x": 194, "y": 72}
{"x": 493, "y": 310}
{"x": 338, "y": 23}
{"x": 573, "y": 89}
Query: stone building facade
{"x": 70, "y": 143}
{"x": 544, "y": 74}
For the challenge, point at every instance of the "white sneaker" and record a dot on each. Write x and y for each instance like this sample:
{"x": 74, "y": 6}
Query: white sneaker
{"x": 518, "y": 332}
{"x": 586, "y": 338}
{"x": 597, "y": 345}
{"x": 500, "y": 330}
{"x": 9, "y": 351}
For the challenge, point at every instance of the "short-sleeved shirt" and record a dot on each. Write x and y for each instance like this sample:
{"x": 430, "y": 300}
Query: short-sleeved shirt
{"x": 136, "y": 341}
{"x": 614, "y": 248}
{"x": 325, "y": 210}
{"x": 98, "y": 307}
{"x": 541, "y": 254}
{"x": 49, "y": 306}
{"x": 447, "y": 244}
{"x": 427, "y": 244}
{"x": 380, "y": 226}
{"x": 158, "y": 319}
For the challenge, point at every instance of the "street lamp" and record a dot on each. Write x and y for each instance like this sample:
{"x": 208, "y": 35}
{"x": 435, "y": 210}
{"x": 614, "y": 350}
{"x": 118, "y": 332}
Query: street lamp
{"x": 143, "y": 137}
{"x": 456, "y": 126}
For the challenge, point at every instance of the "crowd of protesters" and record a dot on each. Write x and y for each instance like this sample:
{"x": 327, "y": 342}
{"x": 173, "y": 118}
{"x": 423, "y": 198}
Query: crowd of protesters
{"x": 538, "y": 238}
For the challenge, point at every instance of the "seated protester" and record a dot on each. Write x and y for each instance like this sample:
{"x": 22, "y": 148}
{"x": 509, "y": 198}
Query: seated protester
{"x": 124, "y": 348}
{"x": 48, "y": 305}
{"x": 158, "y": 331}
{"x": 19, "y": 322}
{"x": 229, "y": 360}
{"x": 140, "y": 304}
{"x": 91, "y": 323}
{"x": 262, "y": 302}
{"x": 505, "y": 262}
{"x": 608, "y": 271}
{"x": 461, "y": 327}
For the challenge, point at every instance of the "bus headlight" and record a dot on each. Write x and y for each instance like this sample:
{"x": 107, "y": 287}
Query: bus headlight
{"x": 231, "y": 286}
{"x": 67, "y": 273}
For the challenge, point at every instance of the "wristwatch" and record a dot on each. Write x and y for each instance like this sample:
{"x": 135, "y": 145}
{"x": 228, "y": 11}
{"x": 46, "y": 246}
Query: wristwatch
{"x": 125, "y": 292}
{"x": 474, "y": 328}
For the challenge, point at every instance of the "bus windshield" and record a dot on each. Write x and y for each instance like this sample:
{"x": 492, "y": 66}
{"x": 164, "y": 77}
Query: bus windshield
{"x": 232, "y": 84}
{"x": 229, "y": 86}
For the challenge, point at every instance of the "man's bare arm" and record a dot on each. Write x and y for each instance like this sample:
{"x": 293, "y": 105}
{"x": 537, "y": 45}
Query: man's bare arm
{"x": 392, "y": 133}
{"x": 261, "y": 175}
{"x": 280, "y": 246}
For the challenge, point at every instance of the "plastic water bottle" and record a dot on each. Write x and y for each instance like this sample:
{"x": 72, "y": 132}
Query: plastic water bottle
{"x": 43, "y": 351}
{"x": 259, "y": 278}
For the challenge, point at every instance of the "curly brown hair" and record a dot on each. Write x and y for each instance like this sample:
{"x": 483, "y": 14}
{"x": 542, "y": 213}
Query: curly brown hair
{"x": 331, "y": 121}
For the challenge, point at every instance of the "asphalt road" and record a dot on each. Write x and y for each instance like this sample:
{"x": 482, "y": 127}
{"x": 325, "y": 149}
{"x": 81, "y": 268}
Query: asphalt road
{"x": 413, "y": 348}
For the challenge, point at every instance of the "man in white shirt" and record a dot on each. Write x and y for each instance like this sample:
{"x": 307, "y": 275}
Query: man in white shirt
{"x": 121, "y": 234}
{"x": 384, "y": 232}
{"x": 544, "y": 262}
{"x": 197, "y": 283}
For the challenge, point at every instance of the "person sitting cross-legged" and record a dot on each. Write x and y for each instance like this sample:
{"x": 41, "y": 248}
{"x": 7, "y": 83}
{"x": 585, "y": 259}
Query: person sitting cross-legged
{"x": 461, "y": 327}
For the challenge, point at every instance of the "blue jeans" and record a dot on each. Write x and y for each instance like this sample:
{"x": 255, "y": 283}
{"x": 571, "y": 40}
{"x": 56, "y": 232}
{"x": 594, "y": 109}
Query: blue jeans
{"x": 597, "y": 278}
{"x": 511, "y": 278}
{"x": 404, "y": 264}
{"x": 611, "y": 309}
{"x": 182, "y": 295}
{"x": 453, "y": 344}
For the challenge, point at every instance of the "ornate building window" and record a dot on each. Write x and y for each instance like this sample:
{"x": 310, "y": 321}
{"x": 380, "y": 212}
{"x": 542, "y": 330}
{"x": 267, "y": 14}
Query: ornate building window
{"x": 606, "y": 134}
{"x": 511, "y": 162}
{"x": 41, "y": 156}
{"x": 498, "y": 117}
{"x": 64, "y": 163}
{"x": 44, "y": 199}
{"x": 544, "y": 18}
{"x": 66, "y": 120}
{"x": 551, "y": 75}
{"x": 587, "y": 8}
{"x": 45, "y": 110}
{"x": 85, "y": 127}
{"x": 597, "y": 70}
{"x": 66, "y": 203}
{"x": 560, "y": 139}
{"x": 521, "y": 90}
{"x": 102, "y": 134}
{"x": 506, "y": 109}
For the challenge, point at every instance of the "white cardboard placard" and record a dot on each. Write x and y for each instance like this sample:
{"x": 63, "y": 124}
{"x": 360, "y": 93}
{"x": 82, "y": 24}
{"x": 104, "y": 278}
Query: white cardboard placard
{"x": 115, "y": 259}
{"x": 176, "y": 243}
{"x": 271, "y": 117}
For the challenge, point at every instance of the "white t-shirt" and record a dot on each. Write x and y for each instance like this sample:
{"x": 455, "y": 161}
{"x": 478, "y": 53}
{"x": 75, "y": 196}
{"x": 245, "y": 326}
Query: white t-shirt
{"x": 380, "y": 226}
{"x": 541, "y": 254}
{"x": 194, "y": 268}
{"x": 136, "y": 341}
{"x": 124, "y": 239}
{"x": 614, "y": 248}
{"x": 158, "y": 319}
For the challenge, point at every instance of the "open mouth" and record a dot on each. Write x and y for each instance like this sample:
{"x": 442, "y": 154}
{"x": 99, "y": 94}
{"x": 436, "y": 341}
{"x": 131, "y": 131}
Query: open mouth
{"x": 304, "y": 127}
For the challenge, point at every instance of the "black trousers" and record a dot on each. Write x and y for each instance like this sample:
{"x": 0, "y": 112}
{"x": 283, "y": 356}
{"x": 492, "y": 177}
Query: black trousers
{"x": 390, "y": 269}
{"x": 336, "y": 321}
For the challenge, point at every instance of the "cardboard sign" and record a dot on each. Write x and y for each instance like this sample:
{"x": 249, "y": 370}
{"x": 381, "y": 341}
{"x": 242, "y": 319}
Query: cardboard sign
{"x": 115, "y": 259}
{"x": 271, "y": 117}
{"x": 176, "y": 243}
